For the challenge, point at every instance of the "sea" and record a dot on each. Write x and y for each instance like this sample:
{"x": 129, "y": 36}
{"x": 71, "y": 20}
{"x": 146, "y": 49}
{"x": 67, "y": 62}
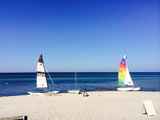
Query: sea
{"x": 12, "y": 84}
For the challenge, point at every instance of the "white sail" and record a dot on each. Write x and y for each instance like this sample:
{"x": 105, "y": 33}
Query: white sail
{"x": 41, "y": 76}
{"x": 128, "y": 80}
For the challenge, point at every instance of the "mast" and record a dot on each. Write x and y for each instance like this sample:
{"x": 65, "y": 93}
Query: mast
{"x": 75, "y": 78}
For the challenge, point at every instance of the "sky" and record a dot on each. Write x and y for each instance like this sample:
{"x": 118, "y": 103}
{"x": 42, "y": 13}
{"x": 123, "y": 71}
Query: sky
{"x": 79, "y": 35}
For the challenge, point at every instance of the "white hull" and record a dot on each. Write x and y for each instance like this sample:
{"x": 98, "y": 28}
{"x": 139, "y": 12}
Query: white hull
{"x": 39, "y": 93}
{"x": 74, "y": 91}
{"x": 128, "y": 88}
{"x": 54, "y": 92}
{"x": 35, "y": 93}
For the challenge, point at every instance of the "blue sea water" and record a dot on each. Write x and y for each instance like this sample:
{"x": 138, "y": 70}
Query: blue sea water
{"x": 21, "y": 83}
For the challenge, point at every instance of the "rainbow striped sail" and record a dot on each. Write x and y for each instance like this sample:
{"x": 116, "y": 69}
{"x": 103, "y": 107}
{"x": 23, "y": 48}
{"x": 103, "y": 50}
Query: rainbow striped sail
{"x": 124, "y": 78}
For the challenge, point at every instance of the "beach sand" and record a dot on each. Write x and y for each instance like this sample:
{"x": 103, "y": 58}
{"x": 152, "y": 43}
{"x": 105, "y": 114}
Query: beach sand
{"x": 98, "y": 106}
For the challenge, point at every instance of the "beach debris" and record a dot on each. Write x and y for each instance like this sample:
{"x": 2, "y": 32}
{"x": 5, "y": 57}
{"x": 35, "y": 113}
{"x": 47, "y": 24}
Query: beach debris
{"x": 84, "y": 93}
{"x": 22, "y": 117}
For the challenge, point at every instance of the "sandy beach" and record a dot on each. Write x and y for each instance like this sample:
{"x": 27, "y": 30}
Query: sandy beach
{"x": 98, "y": 106}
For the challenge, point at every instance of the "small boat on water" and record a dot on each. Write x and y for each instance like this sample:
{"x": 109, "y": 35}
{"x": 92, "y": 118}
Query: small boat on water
{"x": 41, "y": 80}
{"x": 125, "y": 82}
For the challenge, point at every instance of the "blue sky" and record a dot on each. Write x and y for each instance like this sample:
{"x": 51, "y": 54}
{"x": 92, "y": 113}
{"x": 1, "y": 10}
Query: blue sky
{"x": 79, "y": 35}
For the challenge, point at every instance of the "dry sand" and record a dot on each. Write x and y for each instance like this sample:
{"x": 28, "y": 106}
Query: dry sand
{"x": 98, "y": 106}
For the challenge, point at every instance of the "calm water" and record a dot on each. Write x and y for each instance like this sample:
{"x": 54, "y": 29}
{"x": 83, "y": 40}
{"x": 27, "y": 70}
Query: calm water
{"x": 21, "y": 83}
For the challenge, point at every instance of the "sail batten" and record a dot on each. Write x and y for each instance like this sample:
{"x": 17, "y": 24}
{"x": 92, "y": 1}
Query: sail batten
{"x": 41, "y": 73}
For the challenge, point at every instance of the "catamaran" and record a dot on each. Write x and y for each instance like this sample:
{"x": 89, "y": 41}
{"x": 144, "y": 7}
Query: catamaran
{"x": 125, "y": 82}
{"x": 41, "y": 81}
{"x": 75, "y": 90}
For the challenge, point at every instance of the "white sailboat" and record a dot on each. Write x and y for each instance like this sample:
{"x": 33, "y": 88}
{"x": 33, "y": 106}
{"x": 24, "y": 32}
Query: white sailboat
{"x": 41, "y": 80}
{"x": 125, "y": 82}
{"x": 75, "y": 90}
{"x": 41, "y": 74}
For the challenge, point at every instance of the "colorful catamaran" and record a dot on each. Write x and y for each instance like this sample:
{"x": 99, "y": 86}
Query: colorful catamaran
{"x": 125, "y": 82}
{"x": 41, "y": 79}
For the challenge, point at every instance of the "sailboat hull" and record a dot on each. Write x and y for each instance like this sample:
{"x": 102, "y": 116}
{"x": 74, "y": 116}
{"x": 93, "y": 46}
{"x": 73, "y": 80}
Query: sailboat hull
{"x": 128, "y": 88}
{"x": 35, "y": 93}
{"x": 74, "y": 91}
{"x": 54, "y": 92}
{"x": 43, "y": 93}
